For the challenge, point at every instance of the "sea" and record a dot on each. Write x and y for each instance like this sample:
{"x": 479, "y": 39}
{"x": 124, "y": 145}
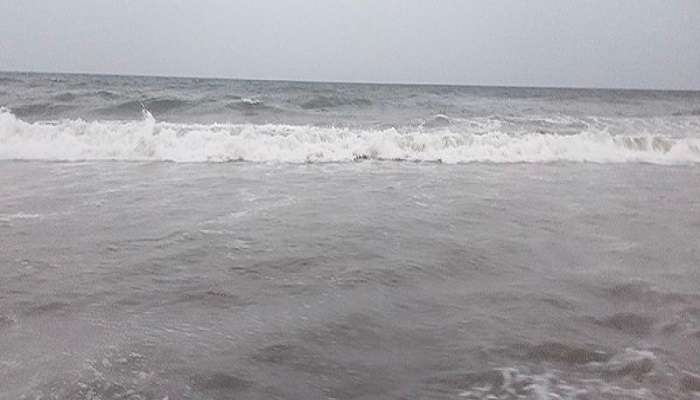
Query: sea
{"x": 184, "y": 238}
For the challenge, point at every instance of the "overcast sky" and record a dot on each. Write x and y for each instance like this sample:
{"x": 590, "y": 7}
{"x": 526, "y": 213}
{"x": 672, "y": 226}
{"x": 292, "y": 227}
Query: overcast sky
{"x": 589, "y": 43}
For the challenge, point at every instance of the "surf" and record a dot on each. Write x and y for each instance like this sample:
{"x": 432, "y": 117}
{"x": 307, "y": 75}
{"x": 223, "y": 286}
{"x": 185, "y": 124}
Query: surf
{"x": 147, "y": 139}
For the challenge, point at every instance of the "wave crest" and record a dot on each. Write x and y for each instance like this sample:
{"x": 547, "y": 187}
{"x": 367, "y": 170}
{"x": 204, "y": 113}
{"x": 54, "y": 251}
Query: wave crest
{"x": 147, "y": 139}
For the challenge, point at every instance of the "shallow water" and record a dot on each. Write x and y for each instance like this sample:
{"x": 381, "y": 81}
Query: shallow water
{"x": 366, "y": 279}
{"x": 369, "y": 280}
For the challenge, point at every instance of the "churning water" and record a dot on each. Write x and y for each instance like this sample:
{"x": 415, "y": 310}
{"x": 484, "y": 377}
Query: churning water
{"x": 212, "y": 239}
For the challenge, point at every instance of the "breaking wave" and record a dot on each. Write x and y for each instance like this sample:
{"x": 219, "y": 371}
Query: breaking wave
{"x": 148, "y": 139}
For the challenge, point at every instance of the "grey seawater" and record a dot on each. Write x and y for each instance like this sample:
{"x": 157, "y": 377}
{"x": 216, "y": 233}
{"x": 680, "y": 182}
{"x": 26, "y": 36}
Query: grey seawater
{"x": 373, "y": 280}
{"x": 36, "y": 97}
{"x": 368, "y": 242}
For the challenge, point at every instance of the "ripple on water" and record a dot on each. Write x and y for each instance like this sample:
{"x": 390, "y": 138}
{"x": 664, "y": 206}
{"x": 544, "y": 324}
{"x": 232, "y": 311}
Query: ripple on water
{"x": 621, "y": 376}
{"x": 219, "y": 384}
{"x": 644, "y": 293}
{"x": 690, "y": 382}
{"x": 54, "y": 307}
{"x": 6, "y": 322}
{"x": 563, "y": 353}
{"x": 294, "y": 356}
{"x": 630, "y": 323}
{"x": 210, "y": 298}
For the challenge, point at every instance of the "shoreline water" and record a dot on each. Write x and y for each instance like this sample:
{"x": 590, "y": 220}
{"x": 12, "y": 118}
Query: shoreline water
{"x": 365, "y": 279}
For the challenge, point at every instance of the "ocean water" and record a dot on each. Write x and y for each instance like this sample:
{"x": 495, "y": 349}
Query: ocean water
{"x": 221, "y": 239}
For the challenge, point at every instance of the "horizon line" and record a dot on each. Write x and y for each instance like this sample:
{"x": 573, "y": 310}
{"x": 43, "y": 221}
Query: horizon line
{"x": 376, "y": 83}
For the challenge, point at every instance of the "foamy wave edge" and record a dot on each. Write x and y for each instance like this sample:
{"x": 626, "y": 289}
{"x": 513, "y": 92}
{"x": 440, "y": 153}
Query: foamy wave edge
{"x": 150, "y": 140}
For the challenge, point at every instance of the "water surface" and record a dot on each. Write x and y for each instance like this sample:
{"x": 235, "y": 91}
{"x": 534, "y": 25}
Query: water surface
{"x": 366, "y": 242}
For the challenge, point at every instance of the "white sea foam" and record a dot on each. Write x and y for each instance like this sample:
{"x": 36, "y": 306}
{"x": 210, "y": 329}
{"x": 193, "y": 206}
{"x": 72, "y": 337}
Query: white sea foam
{"x": 19, "y": 215}
{"x": 148, "y": 139}
{"x": 525, "y": 383}
{"x": 249, "y": 101}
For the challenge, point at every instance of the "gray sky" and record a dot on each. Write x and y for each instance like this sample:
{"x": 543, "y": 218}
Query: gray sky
{"x": 591, "y": 43}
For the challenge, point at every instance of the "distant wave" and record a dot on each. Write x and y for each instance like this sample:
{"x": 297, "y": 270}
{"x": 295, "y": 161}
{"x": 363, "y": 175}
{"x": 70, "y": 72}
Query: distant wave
{"x": 247, "y": 104}
{"x": 39, "y": 109}
{"x": 70, "y": 96}
{"x": 694, "y": 112}
{"x": 147, "y": 139}
{"x": 106, "y": 94}
{"x": 66, "y": 97}
{"x": 321, "y": 102}
{"x": 156, "y": 105}
{"x": 437, "y": 121}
